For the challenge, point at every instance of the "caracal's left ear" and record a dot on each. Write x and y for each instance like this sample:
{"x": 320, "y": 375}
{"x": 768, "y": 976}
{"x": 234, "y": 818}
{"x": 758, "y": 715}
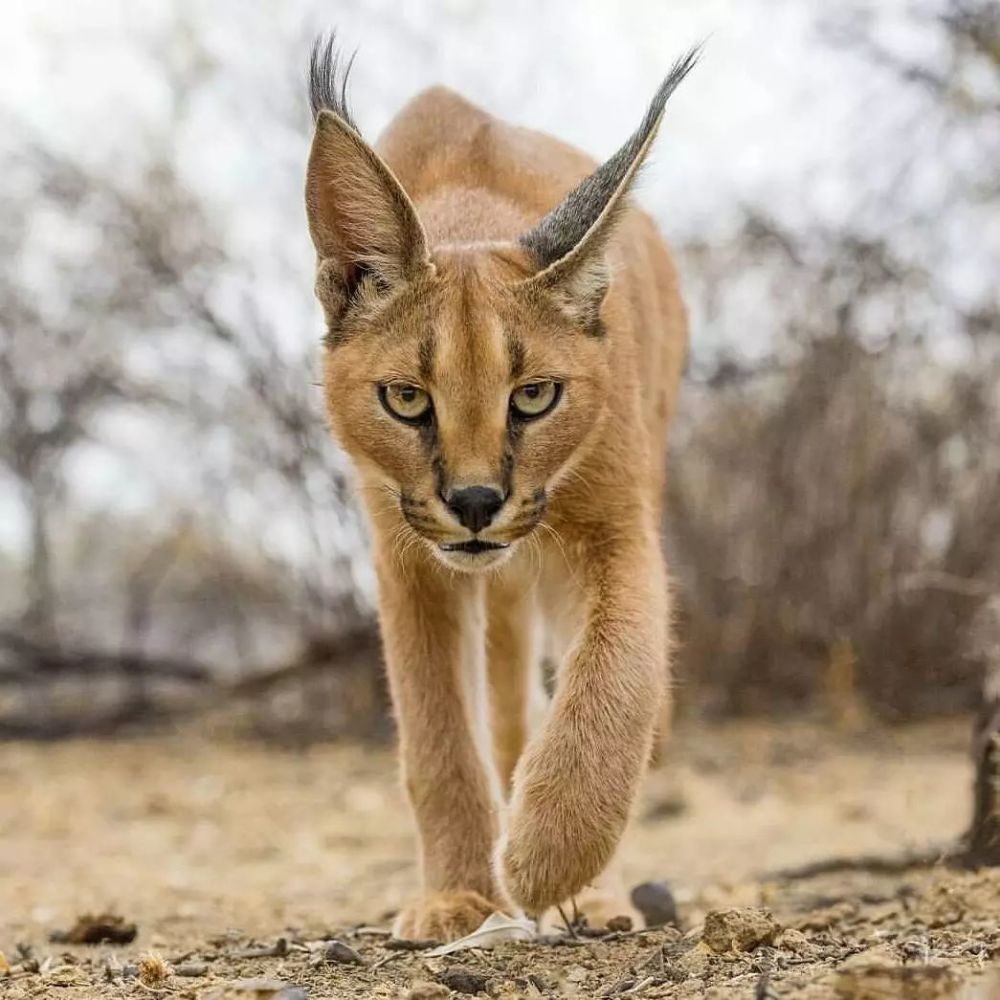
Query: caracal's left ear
{"x": 569, "y": 244}
{"x": 363, "y": 225}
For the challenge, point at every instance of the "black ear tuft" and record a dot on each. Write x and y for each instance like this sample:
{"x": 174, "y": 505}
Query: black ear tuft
{"x": 602, "y": 193}
{"x": 328, "y": 76}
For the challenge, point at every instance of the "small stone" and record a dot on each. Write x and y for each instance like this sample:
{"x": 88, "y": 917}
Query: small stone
{"x": 656, "y": 903}
{"x": 739, "y": 929}
{"x": 795, "y": 940}
{"x": 622, "y": 923}
{"x": 694, "y": 962}
{"x": 463, "y": 980}
{"x": 65, "y": 975}
{"x": 421, "y": 990}
{"x": 876, "y": 982}
{"x": 104, "y": 928}
{"x": 342, "y": 954}
{"x": 915, "y": 950}
{"x": 263, "y": 989}
{"x": 191, "y": 970}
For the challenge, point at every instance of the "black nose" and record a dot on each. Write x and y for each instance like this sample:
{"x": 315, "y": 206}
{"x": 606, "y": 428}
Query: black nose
{"x": 474, "y": 506}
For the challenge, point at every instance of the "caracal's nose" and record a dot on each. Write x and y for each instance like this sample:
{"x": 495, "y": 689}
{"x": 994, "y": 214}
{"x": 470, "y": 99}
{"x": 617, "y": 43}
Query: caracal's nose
{"x": 474, "y": 506}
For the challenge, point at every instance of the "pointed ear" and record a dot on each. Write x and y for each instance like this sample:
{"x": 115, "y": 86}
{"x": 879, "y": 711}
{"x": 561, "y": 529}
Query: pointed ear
{"x": 569, "y": 244}
{"x": 363, "y": 224}
{"x": 361, "y": 221}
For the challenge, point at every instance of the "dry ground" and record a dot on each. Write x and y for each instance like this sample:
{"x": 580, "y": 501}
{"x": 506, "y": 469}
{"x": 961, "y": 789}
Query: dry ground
{"x": 215, "y": 848}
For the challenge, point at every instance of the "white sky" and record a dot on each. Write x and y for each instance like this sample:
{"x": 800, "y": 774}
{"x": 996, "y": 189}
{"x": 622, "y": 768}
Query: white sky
{"x": 758, "y": 115}
{"x": 773, "y": 116}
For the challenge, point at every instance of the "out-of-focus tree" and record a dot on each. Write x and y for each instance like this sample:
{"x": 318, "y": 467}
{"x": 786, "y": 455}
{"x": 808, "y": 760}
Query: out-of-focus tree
{"x": 836, "y": 502}
{"x": 135, "y": 350}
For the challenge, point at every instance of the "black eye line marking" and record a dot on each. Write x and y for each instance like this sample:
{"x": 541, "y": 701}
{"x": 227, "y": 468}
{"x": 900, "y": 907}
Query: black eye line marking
{"x": 437, "y": 462}
{"x": 507, "y": 467}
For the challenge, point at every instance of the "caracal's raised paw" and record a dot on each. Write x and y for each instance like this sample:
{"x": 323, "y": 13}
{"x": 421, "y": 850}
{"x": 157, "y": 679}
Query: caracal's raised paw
{"x": 443, "y": 916}
{"x": 562, "y": 835}
{"x": 544, "y": 862}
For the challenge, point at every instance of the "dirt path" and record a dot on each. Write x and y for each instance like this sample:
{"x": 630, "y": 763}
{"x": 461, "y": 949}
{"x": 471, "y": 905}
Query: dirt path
{"x": 214, "y": 848}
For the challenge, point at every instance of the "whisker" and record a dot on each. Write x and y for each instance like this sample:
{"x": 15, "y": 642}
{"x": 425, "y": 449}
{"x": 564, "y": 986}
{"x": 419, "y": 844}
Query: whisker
{"x": 535, "y": 548}
{"x": 578, "y": 476}
{"x": 559, "y": 541}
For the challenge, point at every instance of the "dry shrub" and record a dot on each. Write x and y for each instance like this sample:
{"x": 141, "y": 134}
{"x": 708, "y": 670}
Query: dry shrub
{"x": 835, "y": 511}
{"x": 836, "y": 503}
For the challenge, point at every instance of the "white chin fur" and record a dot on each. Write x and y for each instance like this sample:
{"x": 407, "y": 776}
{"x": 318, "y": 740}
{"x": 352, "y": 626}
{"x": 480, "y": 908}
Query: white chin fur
{"x": 468, "y": 562}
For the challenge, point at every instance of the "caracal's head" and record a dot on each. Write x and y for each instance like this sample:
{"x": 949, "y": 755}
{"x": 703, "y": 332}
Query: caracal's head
{"x": 464, "y": 381}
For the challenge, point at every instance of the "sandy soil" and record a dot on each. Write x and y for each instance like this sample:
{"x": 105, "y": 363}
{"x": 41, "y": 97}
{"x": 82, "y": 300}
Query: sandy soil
{"x": 217, "y": 849}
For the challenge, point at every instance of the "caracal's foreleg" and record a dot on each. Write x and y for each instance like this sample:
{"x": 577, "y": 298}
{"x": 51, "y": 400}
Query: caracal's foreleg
{"x": 432, "y": 626}
{"x": 575, "y": 784}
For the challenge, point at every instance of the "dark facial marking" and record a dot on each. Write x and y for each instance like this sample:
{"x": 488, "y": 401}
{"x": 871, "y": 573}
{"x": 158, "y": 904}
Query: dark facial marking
{"x": 532, "y": 511}
{"x": 429, "y": 439}
{"x": 425, "y": 358}
{"x": 516, "y": 350}
{"x": 437, "y": 467}
{"x": 507, "y": 470}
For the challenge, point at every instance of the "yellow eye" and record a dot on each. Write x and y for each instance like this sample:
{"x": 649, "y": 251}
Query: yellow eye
{"x": 406, "y": 402}
{"x": 535, "y": 398}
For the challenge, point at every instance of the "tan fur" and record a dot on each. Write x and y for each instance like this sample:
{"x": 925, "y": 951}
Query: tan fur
{"x": 506, "y": 816}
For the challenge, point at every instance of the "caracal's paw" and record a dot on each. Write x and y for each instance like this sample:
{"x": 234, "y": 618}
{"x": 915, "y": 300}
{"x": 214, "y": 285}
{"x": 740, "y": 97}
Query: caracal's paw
{"x": 546, "y": 860}
{"x": 443, "y": 916}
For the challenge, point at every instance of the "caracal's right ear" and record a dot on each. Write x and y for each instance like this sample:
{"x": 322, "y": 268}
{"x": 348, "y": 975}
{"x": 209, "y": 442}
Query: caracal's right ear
{"x": 568, "y": 245}
{"x": 365, "y": 229}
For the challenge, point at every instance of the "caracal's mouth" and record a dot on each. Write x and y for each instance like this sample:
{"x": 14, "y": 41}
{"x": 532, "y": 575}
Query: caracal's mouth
{"x": 474, "y": 554}
{"x": 474, "y": 546}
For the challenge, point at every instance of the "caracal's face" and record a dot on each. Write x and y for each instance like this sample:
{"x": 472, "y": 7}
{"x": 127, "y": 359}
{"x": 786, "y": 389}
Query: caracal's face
{"x": 463, "y": 398}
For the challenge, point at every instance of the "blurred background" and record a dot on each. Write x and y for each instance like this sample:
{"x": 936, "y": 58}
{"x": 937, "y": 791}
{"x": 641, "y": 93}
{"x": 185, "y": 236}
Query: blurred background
{"x": 176, "y": 527}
